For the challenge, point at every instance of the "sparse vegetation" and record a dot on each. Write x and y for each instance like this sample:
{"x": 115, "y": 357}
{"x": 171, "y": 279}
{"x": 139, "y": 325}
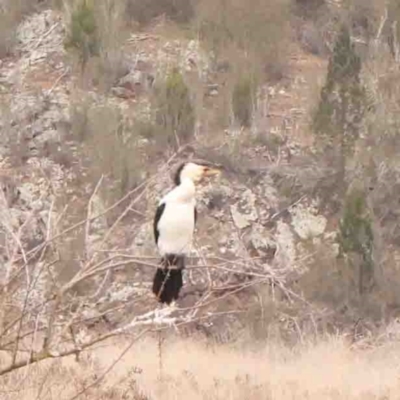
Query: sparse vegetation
{"x": 235, "y": 32}
{"x": 205, "y": 370}
{"x": 342, "y": 106}
{"x": 243, "y": 100}
{"x": 96, "y": 32}
{"x": 338, "y": 120}
{"x": 83, "y": 32}
{"x": 175, "y": 113}
{"x": 113, "y": 32}
{"x": 11, "y": 14}
{"x": 145, "y": 11}
{"x": 297, "y": 243}
{"x": 356, "y": 237}
{"x": 110, "y": 145}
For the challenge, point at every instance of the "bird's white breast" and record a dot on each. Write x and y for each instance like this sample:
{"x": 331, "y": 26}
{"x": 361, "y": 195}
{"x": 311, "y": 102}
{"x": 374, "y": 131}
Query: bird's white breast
{"x": 176, "y": 228}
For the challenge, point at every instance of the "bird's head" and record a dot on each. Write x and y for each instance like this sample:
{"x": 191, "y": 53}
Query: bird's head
{"x": 195, "y": 171}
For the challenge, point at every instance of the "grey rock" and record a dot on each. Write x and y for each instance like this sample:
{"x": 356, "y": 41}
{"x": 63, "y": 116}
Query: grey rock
{"x": 240, "y": 220}
{"x": 306, "y": 223}
{"x": 122, "y": 92}
{"x": 261, "y": 241}
{"x": 132, "y": 80}
{"x": 244, "y": 212}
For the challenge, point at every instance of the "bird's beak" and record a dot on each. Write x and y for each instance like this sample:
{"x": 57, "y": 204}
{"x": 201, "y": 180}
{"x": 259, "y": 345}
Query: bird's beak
{"x": 212, "y": 172}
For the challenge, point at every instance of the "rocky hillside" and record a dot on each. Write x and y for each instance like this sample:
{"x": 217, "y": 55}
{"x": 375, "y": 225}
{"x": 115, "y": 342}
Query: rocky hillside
{"x": 84, "y": 161}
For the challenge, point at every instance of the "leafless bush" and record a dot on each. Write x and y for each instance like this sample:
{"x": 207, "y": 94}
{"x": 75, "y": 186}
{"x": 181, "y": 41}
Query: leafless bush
{"x": 375, "y": 168}
{"x": 243, "y": 100}
{"x": 379, "y": 167}
{"x": 96, "y": 33}
{"x": 11, "y": 13}
{"x": 13, "y": 141}
{"x": 258, "y": 31}
{"x": 144, "y": 11}
{"x": 365, "y": 18}
{"x": 111, "y": 146}
{"x": 207, "y": 370}
{"x": 40, "y": 317}
{"x": 175, "y": 113}
{"x": 311, "y": 37}
{"x": 113, "y": 32}
{"x": 83, "y": 35}
{"x": 316, "y": 24}
{"x": 43, "y": 315}
{"x": 309, "y": 8}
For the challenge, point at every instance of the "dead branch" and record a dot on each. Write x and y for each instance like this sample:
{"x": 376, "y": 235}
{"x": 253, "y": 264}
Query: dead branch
{"x": 142, "y": 186}
{"x": 396, "y": 47}
{"x": 36, "y": 357}
{"x": 58, "y": 312}
{"x": 381, "y": 25}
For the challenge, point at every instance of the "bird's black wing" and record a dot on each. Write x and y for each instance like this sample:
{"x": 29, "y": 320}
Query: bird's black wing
{"x": 195, "y": 215}
{"x": 159, "y": 212}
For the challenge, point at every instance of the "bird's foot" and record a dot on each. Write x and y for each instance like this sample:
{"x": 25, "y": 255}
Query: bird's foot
{"x": 173, "y": 305}
{"x": 157, "y": 312}
{"x": 164, "y": 309}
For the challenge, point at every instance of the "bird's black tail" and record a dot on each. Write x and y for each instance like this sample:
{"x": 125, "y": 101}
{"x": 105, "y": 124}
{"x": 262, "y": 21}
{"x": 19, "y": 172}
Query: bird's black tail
{"x": 167, "y": 281}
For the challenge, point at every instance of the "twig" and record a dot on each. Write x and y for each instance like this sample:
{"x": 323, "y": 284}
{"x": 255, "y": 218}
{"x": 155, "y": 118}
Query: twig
{"x": 23, "y": 313}
{"x": 143, "y": 185}
{"x": 287, "y": 208}
{"x": 36, "y": 357}
{"x": 38, "y": 43}
{"x": 381, "y": 25}
{"x": 203, "y": 259}
{"x": 57, "y": 81}
{"x": 89, "y": 213}
{"x": 112, "y": 365}
{"x": 396, "y": 48}
{"x": 48, "y": 230}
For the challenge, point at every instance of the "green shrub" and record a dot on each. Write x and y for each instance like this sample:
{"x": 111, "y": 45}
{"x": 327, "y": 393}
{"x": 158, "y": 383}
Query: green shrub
{"x": 338, "y": 121}
{"x": 242, "y": 101}
{"x": 255, "y": 32}
{"x": 7, "y": 33}
{"x": 144, "y": 11}
{"x": 341, "y": 108}
{"x": 356, "y": 236}
{"x": 96, "y": 33}
{"x": 175, "y": 113}
{"x": 11, "y": 14}
{"x": 109, "y": 146}
{"x": 83, "y": 32}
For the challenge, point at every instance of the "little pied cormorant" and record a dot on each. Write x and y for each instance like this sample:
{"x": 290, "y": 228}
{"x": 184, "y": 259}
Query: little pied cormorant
{"x": 173, "y": 225}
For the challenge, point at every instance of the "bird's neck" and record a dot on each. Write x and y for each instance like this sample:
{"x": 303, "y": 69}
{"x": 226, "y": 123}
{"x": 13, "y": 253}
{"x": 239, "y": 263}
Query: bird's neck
{"x": 188, "y": 185}
{"x": 183, "y": 193}
{"x": 187, "y": 190}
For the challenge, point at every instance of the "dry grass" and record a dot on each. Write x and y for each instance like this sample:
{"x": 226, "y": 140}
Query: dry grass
{"x": 328, "y": 369}
{"x": 144, "y": 11}
{"x": 11, "y": 14}
{"x": 96, "y": 33}
{"x": 252, "y": 36}
{"x": 110, "y": 145}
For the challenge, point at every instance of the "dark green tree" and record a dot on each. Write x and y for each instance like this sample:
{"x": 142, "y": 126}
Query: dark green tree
{"x": 175, "y": 111}
{"x": 356, "y": 237}
{"x": 83, "y": 35}
{"x": 242, "y": 100}
{"x": 339, "y": 115}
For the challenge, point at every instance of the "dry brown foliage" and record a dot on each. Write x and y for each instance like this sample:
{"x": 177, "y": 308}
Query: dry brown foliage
{"x": 11, "y": 14}
{"x": 252, "y": 35}
{"x": 196, "y": 370}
